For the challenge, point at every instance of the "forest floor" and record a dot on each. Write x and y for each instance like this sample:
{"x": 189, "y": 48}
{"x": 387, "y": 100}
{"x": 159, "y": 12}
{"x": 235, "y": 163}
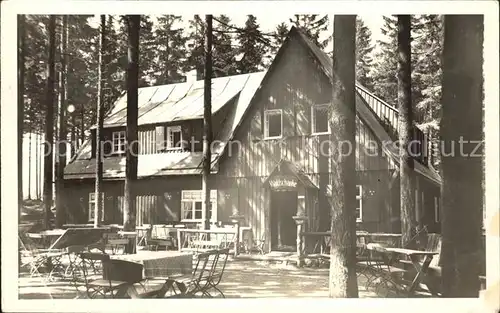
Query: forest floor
{"x": 242, "y": 279}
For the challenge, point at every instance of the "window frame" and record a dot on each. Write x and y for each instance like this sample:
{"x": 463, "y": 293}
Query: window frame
{"x": 213, "y": 207}
{"x": 359, "y": 198}
{"x": 170, "y": 130}
{"x": 313, "y": 120}
{"x": 115, "y": 138}
{"x": 267, "y": 113}
{"x": 93, "y": 201}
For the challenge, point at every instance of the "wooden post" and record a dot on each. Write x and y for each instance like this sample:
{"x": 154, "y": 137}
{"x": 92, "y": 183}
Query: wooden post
{"x": 236, "y": 219}
{"x": 300, "y": 220}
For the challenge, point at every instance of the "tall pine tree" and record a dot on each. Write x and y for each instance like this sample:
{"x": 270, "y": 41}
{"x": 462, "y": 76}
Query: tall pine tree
{"x": 196, "y": 41}
{"x": 224, "y": 53}
{"x": 386, "y": 63}
{"x": 252, "y": 47}
{"x": 427, "y": 76}
{"x": 279, "y": 36}
{"x": 313, "y": 26}
{"x": 170, "y": 50}
{"x": 364, "y": 49}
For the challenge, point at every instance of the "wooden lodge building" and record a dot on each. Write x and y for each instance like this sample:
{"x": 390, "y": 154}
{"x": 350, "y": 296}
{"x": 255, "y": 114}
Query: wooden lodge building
{"x": 267, "y": 163}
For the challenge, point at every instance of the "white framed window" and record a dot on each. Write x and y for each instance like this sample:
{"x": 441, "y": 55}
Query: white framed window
{"x": 191, "y": 206}
{"x": 118, "y": 141}
{"x": 92, "y": 204}
{"x": 359, "y": 203}
{"x": 174, "y": 138}
{"x": 273, "y": 124}
{"x": 319, "y": 119}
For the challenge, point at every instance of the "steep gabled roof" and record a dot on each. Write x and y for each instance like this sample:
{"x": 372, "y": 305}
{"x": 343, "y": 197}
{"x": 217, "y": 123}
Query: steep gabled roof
{"x": 173, "y": 163}
{"x": 371, "y": 109}
{"x": 182, "y": 101}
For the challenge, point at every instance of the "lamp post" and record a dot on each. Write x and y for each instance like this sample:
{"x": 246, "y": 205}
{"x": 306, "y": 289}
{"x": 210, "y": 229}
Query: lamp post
{"x": 71, "y": 110}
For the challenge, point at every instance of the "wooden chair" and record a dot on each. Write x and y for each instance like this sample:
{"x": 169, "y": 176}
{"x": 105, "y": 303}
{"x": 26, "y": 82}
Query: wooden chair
{"x": 116, "y": 244}
{"x": 96, "y": 284}
{"x": 380, "y": 269}
{"x": 206, "y": 275}
{"x": 36, "y": 259}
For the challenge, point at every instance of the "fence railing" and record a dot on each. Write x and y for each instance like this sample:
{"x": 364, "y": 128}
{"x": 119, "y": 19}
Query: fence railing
{"x": 198, "y": 240}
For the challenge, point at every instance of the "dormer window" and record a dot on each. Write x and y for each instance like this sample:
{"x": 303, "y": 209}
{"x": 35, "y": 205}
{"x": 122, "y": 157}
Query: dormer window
{"x": 118, "y": 141}
{"x": 174, "y": 138}
{"x": 319, "y": 116}
{"x": 273, "y": 124}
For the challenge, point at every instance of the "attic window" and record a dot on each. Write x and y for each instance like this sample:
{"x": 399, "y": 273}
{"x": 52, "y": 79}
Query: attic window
{"x": 119, "y": 141}
{"x": 273, "y": 124}
{"x": 174, "y": 138}
{"x": 319, "y": 115}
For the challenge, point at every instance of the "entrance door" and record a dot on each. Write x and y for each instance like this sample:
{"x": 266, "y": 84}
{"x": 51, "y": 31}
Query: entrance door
{"x": 283, "y": 227}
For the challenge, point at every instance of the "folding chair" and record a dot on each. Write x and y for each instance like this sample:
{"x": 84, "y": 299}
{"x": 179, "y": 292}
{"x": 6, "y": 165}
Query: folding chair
{"x": 217, "y": 272}
{"x": 35, "y": 259}
{"x": 99, "y": 283}
{"x": 197, "y": 284}
{"x": 386, "y": 276}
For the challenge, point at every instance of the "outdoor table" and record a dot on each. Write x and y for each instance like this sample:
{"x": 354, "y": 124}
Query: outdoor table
{"x": 135, "y": 268}
{"x": 46, "y": 237}
{"x": 421, "y": 268}
{"x": 152, "y": 264}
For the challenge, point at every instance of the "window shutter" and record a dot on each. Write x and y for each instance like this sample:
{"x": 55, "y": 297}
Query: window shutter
{"x": 160, "y": 138}
{"x": 256, "y": 128}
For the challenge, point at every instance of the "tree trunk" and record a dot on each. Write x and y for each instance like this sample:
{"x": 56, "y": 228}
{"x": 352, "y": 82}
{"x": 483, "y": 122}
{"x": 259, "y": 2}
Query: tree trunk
{"x": 62, "y": 136}
{"x": 37, "y": 167}
{"x": 343, "y": 281}
{"x": 29, "y": 163}
{"x": 133, "y": 25}
{"x": 207, "y": 122}
{"x": 82, "y": 126}
{"x": 20, "y": 107}
{"x": 73, "y": 135}
{"x": 461, "y": 125}
{"x": 20, "y": 119}
{"x": 99, "y": 201}
{"x": 405, "y": 131}
{"x": 49, "y": 123}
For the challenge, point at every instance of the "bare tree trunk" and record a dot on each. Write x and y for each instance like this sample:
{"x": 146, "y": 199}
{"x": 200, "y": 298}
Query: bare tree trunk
{"x": 29, "y": 163}
{"x": 407, "y": 176}
{"x": 49, "y": 123}
{"x": 461, "y": 125}
{"x": 207, "y": 122}
{"x": 20, "y": 118}
{"x": 82, "y": 125}
{"x": 100, "y": 122}
{"x": 129, "y": 210}
{"x": 62, "y": 136}
{"x": 343, "y": 282}
{"x": 20, "y": 107}
{"x": 37, "y": 166}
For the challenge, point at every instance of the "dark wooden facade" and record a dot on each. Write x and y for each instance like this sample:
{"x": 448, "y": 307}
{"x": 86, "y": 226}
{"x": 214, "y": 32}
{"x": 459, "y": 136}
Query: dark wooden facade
{"x": 294, "y": 83}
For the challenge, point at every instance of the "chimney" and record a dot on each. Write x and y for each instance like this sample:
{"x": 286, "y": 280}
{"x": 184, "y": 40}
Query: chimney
{"x": 191, "y": 76}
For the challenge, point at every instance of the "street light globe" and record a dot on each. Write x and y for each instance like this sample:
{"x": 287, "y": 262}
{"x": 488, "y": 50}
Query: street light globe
{"x": 71, "y": 108}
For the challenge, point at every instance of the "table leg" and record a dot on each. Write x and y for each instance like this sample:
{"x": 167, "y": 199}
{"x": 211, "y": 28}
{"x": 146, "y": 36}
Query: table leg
{"x": 421, "y": 271}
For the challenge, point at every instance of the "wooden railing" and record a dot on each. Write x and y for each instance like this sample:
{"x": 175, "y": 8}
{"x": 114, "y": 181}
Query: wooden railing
{"x": 317, "y": 244}
{"x": 197, "y": 240}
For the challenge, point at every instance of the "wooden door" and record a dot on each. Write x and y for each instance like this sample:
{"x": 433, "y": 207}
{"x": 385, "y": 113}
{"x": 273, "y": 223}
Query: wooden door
{"x": 283, "y": 227}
